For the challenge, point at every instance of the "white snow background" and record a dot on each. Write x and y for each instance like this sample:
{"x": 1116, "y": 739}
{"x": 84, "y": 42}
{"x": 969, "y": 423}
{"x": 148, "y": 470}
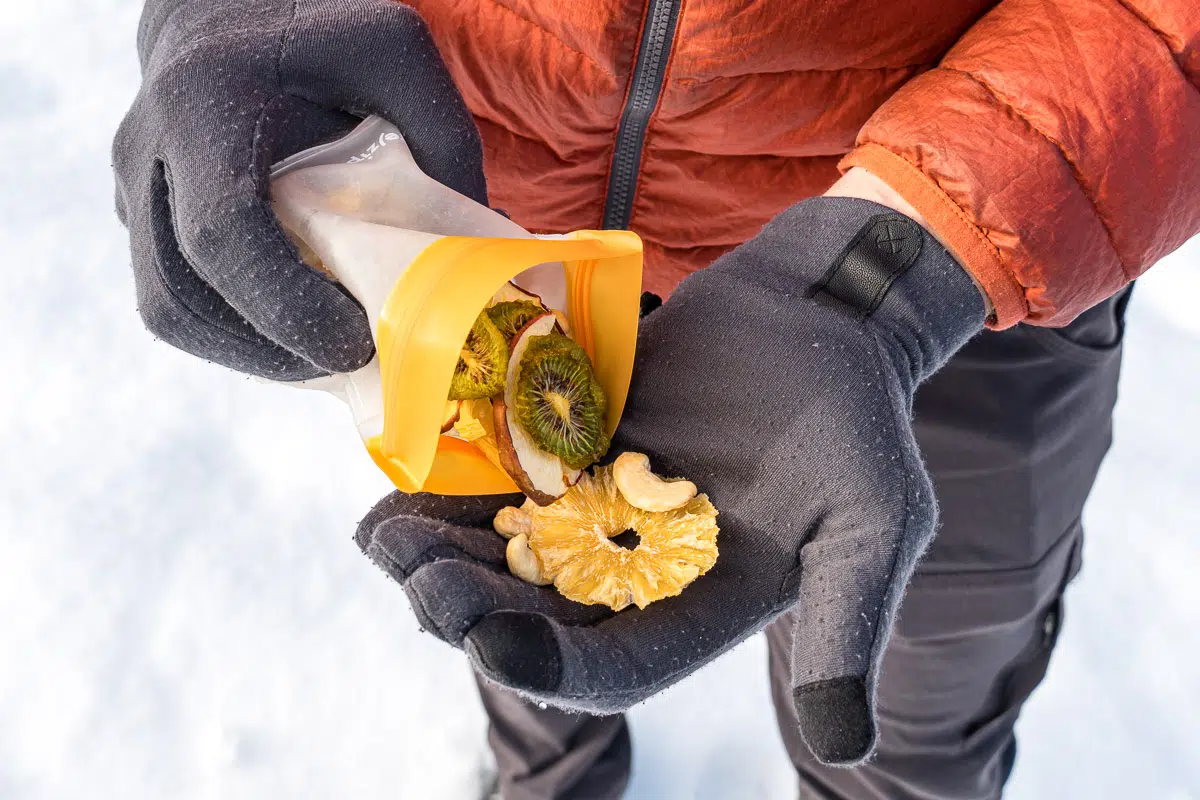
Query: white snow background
{"x": 183, "y": 613}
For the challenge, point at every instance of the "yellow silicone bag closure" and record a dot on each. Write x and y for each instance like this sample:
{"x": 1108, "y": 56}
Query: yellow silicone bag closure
{"x": 430, "y": 311}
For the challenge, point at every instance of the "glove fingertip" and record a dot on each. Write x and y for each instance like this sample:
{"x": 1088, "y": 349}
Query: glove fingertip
{"x": 409, "y": 543}
{"x": 364, "y": 534}
{"x": 836, "y": 720}
{"x": 518, "y": 650}
{"x": 352, "y": 346}
{"x": 448, "y": 594}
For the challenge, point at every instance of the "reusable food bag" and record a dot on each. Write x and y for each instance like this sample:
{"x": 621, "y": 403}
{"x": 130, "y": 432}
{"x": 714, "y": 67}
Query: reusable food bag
{"x": 424, "y": 261}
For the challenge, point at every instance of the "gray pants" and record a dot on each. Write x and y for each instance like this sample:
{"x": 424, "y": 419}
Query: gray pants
{"x": 1013, "y": 430}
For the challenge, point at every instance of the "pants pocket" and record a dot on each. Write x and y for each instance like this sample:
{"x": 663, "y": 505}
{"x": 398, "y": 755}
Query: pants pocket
{"x": 968, "y": 650}
{"x": 941, "y": 602}
{"x": 1095, "y": 336}
{"x": 1014, "y": 429}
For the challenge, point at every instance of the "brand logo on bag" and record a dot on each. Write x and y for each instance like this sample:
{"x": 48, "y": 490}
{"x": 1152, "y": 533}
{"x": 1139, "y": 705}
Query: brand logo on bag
{"x": 375, "y": 147}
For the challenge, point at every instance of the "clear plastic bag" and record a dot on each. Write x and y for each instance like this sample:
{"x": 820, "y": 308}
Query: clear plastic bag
{"x": 361, "y": 210}
{"x": 423, "y": 260}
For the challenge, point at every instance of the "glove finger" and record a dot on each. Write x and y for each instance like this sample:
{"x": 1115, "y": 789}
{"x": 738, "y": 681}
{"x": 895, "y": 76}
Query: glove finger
{"x": 451, "y": 596}
{"x": 405, "y": 544}
{"x": 229, "y": 235}
{"x": 469, "y": 512}
{"x": 623, "y": 658}
{"x": 180, "y": 308}
{"x": 850, "y": 588}
{"x": 398, "y": 74}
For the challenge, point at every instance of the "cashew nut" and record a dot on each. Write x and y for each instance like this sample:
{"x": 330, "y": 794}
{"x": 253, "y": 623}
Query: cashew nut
{"x": 523, "y": 562}
{"x": 642, "y": 489}
{"x": 511, "y": 521}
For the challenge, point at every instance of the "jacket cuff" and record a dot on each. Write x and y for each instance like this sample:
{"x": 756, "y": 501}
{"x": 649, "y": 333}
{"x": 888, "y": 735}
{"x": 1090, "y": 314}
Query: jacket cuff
{"x": 968, "y": 243}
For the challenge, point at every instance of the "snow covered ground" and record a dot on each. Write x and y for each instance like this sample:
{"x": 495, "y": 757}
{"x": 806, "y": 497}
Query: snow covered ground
{"x": 183, "y": 614}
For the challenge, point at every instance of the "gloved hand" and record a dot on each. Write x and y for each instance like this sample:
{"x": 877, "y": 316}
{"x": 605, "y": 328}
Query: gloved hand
{"x": 229, "y": 88}
{"x": 791, "y": 409}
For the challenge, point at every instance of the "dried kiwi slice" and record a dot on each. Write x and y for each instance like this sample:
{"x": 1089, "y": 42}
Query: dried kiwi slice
{"x": 559, "y": 402}
{"x": 542, "y": 476}
{"x": 513, "y": 315}
{"x": 482, "y": 362}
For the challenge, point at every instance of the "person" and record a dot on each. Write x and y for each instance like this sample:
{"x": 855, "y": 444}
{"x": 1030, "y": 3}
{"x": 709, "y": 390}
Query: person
{"x": 922, "y": 221}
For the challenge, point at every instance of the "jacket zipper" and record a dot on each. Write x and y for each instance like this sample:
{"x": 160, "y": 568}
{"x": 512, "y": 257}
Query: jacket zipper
{"x": 649, "y": 70}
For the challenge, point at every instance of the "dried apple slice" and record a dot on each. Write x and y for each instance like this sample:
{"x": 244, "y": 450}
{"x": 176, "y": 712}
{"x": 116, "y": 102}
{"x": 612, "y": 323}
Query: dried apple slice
{"x": 510, "y": 292}
{"x": 542, "y": 476}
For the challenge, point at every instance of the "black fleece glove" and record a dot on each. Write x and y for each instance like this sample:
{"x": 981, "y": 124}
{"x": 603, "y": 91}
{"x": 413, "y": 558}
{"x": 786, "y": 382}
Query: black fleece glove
{"x": 229, "y": 88}
{"x": 780, "y": 380}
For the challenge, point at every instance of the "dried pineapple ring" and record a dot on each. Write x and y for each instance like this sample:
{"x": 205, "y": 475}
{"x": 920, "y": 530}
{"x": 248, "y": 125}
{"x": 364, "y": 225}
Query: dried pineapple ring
{"x": 572, "y": 539}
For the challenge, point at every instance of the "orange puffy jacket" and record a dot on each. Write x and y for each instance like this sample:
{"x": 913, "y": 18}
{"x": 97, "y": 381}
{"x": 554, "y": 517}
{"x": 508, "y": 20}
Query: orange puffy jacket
{"x": 1054, "y": 145}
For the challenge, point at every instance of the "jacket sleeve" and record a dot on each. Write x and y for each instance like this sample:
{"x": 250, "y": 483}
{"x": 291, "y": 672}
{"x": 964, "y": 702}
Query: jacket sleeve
{"x": 1055, "y": 149}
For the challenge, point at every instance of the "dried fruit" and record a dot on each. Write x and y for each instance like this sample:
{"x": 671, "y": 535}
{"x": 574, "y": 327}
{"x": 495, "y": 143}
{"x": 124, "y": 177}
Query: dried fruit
{"x": 563, "y": 322}
{"x": 513, "y": 315}
{"x": 559, "y": 402}
{"x": 490, "y": 447}
{"x": 482, "y": 363}
{"x": 645, "y": 490}
{"x": 542, "y": 476}
{"x": 572, "y": 540}
{"x": 474, "y": 420}
{"x": 539, "y": 474}
{"x": 450, "y": 415}
{"x": 510, "y": 292}
{"x": 474, "y": 425}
